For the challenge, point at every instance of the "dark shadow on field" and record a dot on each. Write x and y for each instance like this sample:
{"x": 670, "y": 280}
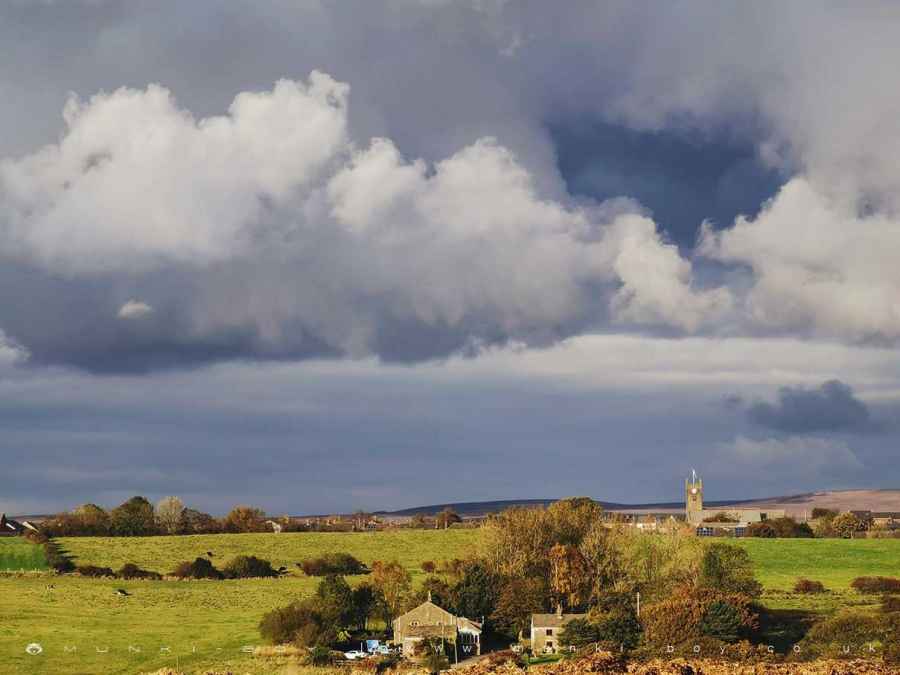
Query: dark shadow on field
{"x": 783, "y": 628}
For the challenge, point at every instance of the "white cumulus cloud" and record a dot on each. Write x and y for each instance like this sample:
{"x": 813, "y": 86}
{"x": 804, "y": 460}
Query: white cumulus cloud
{"x": 134, "y": 309}
{"x": 285, "y": 229}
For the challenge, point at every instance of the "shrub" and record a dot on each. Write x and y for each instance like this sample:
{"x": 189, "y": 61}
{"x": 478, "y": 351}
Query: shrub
{"x": 333, "y": 563}
{"x": 819, "y": 512}
{"x": 619, "y": 630}
{"x": 301, "y": 623}
{"x": 281, "y": 624}
{"x": 680, "y": 617}
{"x": 94, "y": 571}
{"x": 785, "y": 527}
{"x": 876, "y": 584}
{"x": 248, "y": 567}
{"x": 890, "y": 603}
{"x": 431, "y": 652}
{"x": 319, "y": 655}
{"x": 578, "y": 633}
{"x": 847, "y": 627}
{"x": 728, "y": 569}
{"x": 808, "y": 586}
{"x": 761, "y": 529}
{"x": 428, "y": 566}
{"x": 721, "y": 620}
{"x": 132, "y": 571}
{"x": 201, "y": 568}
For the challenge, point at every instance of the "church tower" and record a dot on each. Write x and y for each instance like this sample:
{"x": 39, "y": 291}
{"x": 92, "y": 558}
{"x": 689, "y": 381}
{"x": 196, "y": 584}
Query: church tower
{"x": 693, "y": 497}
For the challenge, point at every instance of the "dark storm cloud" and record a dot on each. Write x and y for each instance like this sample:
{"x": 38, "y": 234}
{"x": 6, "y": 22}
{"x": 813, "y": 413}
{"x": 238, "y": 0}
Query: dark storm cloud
{"x": 830, "y": 407}
{"x": 683, "y": 178}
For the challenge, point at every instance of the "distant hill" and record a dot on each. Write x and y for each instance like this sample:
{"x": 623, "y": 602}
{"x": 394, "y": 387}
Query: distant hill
{"x": 475, "y": 509}
{"x": 797, "y": 505}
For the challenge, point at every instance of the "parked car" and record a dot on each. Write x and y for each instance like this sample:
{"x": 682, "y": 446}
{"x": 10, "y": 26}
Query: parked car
{"x": 354, "y": 654}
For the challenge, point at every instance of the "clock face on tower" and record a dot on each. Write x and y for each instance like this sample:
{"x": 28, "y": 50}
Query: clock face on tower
{"x": 693, "y": 491}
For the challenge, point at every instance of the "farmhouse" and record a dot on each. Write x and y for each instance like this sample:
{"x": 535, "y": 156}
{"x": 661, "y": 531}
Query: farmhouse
{"x": 430, "y": 621}
{"x": 545, "y": 629}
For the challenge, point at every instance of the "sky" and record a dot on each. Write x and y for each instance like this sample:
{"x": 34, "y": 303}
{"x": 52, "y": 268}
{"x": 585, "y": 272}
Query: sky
{"x": 326, "y": 256}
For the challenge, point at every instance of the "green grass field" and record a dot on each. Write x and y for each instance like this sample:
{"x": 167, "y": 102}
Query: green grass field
{"x": 162, "y": 554}
{"x": 834, "y": 562}
{"x": 206, "y": 623}
{"x": 18, "y": 554}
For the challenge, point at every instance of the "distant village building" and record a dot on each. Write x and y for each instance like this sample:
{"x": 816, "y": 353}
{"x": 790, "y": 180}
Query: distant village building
{"x": 545, "y": 630}
{"x": 725, "y": 521}
{"x": 430, "y": 621}
{"x": 887, "y": 520}
{"x": 13, "y": 528}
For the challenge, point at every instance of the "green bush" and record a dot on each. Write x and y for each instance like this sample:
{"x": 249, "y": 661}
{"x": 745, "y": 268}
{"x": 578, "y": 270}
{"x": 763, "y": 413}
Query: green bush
{"x": 876, "y": 584}
{"x": 722, "y": 621}
{"x": 319, "y": 656}
{"x": 619, "y": 630}
{"x": 201, "y": 568}
{"x": 94, "y": 571}
{"x": 248, "y": 567}
{"x": 332, "y": 563}
{"x": 578, "y": 633}
{"x": 808, "y": 586}
{"x": 132, "y": 571}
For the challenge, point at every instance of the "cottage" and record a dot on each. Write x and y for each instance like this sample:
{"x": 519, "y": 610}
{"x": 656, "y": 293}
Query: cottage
{"x": 545, "y": 630}
{"x": 428, "y": 620}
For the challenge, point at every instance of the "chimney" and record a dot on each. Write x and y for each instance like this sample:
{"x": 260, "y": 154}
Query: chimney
{"x": 429, "y": 596}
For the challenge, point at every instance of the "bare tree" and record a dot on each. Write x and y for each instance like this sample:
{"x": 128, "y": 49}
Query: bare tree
{"x": 170, "y": 514}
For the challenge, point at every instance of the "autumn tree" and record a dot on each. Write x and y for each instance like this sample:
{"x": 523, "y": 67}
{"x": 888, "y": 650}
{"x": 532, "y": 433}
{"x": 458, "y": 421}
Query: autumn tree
{"x": 170, "y": 514}
{"x": 244, "y": 519}
{"x": 569, "y": 577}
{"x": 516, "y": 542}
{"x": 517, "y": 601}
{"x": 91, "y": 519}
{"x": 198, "y": 522}
{"x": 846, "y": 524}
{"x": 392, "y": 580}
{"x": 571, "y": 519}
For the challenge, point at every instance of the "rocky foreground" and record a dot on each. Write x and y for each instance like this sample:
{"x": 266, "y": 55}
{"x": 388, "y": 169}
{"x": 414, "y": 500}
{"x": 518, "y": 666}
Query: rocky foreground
{"x": 607, "y": 663}
{"x": 603, "y": 662}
